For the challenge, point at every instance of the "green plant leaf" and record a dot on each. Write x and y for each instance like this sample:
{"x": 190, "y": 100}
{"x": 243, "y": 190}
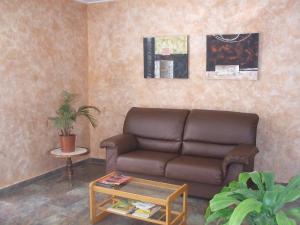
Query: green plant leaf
{"x": 243, "y": 209}
{"x": 282, "y": 219}
{"x": 85, "y": 111}
{"x": 243, "y": 179}
{"x": 218, "y": 203}
{"x": 233, "y": 185}
{"x": 247, "y": 193}
{"x": 291, "y": 195}
{"x": 269, "y": 180}
{"x": 208, "y": 212}
{"x": 259, "y": 206}
{"x": 223, "y": 214}
{"x": 69, "y": 97}
{"x": 292, "y": 190}
{"x": 256, "y": 178}
{"x": 260, "y": 218}
{"x": 294, "y": 182}
{"x": 294, "y": 212}
{"x": 270, "y": 199}
{"x": 66, "y": 115}
{"x": 279, "y": 187}
{"x": 223, "y": 194}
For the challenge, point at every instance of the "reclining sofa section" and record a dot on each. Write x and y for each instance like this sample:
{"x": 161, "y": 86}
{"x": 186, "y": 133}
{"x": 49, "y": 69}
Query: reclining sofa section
{"x": 204, "y": 148}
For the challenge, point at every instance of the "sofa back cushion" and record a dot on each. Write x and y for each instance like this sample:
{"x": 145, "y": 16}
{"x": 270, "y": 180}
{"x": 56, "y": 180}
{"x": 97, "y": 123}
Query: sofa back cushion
{"x": 205, "y": 149}
{"x": 215, "y": 133}
{"x": 156, "y": 129}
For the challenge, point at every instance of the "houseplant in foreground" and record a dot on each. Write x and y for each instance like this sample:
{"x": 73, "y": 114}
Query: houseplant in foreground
{"x": 65, "y": 118}
{"x": 261, "y": 203}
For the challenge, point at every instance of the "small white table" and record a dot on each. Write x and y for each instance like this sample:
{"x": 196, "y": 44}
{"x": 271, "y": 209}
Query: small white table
{"x": 79, "y": 151}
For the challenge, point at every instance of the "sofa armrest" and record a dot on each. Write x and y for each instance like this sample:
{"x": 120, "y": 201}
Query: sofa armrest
{"x": 115, "y": 146}
{"x": 121, "y": 143}
{"x": 242, "y": 154}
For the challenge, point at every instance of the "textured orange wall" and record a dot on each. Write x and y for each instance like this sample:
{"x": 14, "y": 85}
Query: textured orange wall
{"x": 116, "y": 80}
{"x": 43, "y": 47}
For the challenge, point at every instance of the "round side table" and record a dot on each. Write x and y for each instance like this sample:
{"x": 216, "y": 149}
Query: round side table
{"x": 79, "y": 151}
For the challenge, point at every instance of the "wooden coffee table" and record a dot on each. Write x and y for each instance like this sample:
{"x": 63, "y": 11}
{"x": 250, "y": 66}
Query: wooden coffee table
{"x": 158, "y": 193}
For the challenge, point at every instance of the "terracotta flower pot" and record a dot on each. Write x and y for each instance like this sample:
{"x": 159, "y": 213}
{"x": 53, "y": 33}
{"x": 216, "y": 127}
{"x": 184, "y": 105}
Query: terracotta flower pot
{"x": 67, "y": 143}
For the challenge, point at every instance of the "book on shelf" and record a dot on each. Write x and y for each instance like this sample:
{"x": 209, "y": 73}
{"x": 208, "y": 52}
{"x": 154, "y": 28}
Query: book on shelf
{"x": 139, "y": 209}
{"x": 145, "y": 209}
{"x": 122, "y": 206}
{"x": 113, "y": 180}
{"x": 143, "y": 205}
{"x": 146, "y": 213}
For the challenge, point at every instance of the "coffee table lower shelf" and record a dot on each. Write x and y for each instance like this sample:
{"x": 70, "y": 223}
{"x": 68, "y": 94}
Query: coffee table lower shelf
{"x": 166, "y": 216}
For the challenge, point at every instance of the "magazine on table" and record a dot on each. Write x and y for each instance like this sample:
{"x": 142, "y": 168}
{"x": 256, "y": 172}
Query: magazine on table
{"x": 113, "y": 180}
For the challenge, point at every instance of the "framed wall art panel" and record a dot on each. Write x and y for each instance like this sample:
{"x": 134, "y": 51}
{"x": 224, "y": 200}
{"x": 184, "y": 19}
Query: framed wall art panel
{"x": 166, "y": 57}
{"x": 232, "y": 56}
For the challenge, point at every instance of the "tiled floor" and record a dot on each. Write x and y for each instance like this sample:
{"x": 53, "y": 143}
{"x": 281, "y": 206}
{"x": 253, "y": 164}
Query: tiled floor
{"x": 56, "y": 203}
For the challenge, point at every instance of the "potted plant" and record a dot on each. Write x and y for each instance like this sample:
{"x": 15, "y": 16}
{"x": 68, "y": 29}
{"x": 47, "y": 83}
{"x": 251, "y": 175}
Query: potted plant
{"x": 256, "y": 200}
{"x": 65, "y": 118}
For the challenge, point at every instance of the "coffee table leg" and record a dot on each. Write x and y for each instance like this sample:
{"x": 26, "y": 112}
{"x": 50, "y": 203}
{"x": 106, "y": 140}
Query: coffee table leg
{"x": 94, "y": 217}
{"x": 92, "y": 206}
{"x": 184, "y": 206}
{"x": 69, "y": 169}
{"x": 168, "y": 213}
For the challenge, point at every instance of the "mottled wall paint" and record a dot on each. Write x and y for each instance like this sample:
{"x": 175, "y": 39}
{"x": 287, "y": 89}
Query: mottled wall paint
{"x": 43, "y": 50}
{"x": 116, "y": 80}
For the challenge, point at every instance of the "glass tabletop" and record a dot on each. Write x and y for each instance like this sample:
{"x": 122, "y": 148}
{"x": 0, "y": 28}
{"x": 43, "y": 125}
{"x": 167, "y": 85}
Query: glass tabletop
{"x": 146, "y": 189}
{"x": 139, "y": 187}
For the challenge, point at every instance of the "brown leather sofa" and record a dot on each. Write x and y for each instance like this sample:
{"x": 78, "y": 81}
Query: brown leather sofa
{"x": 205, "y": 149}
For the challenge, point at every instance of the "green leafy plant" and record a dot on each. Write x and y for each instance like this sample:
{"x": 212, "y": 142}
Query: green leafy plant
{"x": 255, "y": 198}
{"x": 66, "y": 114}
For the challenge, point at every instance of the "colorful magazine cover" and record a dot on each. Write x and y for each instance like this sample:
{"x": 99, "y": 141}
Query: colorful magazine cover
{"x": 116, "y": 179}
{"x": 122, "y": 206}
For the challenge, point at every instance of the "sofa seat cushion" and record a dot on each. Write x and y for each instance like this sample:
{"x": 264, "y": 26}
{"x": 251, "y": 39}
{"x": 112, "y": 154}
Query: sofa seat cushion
{"x": 195, "y": 169}
{"x": 145, "y": 162}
